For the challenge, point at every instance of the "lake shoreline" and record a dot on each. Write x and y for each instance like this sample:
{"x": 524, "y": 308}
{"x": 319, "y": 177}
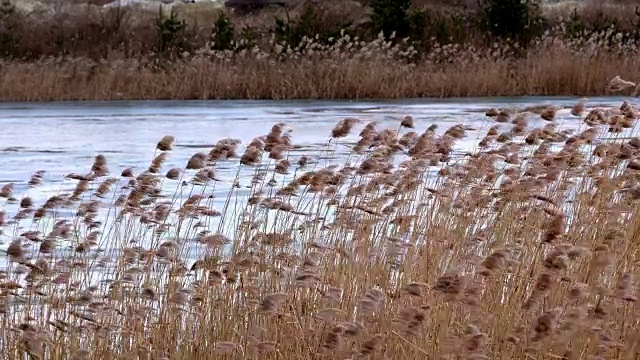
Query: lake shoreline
{"x": 542, "y": 73}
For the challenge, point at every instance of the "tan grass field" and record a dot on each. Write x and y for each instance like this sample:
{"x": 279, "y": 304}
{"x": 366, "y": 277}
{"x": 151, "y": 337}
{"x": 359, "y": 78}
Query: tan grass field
{"x": 92, "y": 53}
{"x": 348, "y": 70}
{"x": 525, "y": 248}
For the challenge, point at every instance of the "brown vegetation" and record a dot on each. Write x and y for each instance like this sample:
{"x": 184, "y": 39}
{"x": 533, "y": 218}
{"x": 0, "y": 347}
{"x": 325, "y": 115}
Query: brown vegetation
{"x": 348, "y": 70}
{"x": 524, "y": 248}
{"x": 122, "y": 53}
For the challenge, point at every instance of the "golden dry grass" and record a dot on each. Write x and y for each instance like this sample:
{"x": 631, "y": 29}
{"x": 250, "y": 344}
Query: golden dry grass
{"x": 348, "y": 70}
{"x": 524, "y": 248}
{"x": 103, "y": 54}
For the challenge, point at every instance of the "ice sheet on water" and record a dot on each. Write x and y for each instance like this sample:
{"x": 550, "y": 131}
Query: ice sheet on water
{"x": 126, "y": 132}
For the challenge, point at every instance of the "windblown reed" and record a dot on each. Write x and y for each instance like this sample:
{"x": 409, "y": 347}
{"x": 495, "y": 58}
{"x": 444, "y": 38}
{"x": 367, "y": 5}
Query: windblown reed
{"x": 524, "y": 247}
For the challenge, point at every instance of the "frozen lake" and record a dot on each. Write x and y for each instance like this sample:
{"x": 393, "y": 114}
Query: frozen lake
{"x": 61, "y": 138}
{"x": 64, "y": 137}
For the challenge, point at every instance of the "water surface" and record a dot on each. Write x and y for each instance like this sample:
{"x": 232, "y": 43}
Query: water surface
{"x": 64, "y": 137}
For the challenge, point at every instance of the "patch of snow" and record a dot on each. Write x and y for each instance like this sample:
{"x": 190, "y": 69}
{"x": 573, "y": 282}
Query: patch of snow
{"x": 28, "y": 6}
{"x": 154, "y": 3}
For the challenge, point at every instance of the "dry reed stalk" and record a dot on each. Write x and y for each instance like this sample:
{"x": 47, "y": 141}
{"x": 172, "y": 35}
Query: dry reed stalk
{"x": 485, "y": 258}
{"x": 554, "y": 66}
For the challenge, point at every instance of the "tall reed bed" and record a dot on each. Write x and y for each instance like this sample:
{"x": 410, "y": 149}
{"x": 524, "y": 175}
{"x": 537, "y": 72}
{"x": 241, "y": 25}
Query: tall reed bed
{"x": 522, "y": 247}
{"x": 347, "y": 69}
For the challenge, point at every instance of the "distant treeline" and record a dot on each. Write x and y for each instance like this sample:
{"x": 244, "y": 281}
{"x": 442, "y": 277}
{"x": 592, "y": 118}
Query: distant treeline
{"x": 116, "y": 33}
